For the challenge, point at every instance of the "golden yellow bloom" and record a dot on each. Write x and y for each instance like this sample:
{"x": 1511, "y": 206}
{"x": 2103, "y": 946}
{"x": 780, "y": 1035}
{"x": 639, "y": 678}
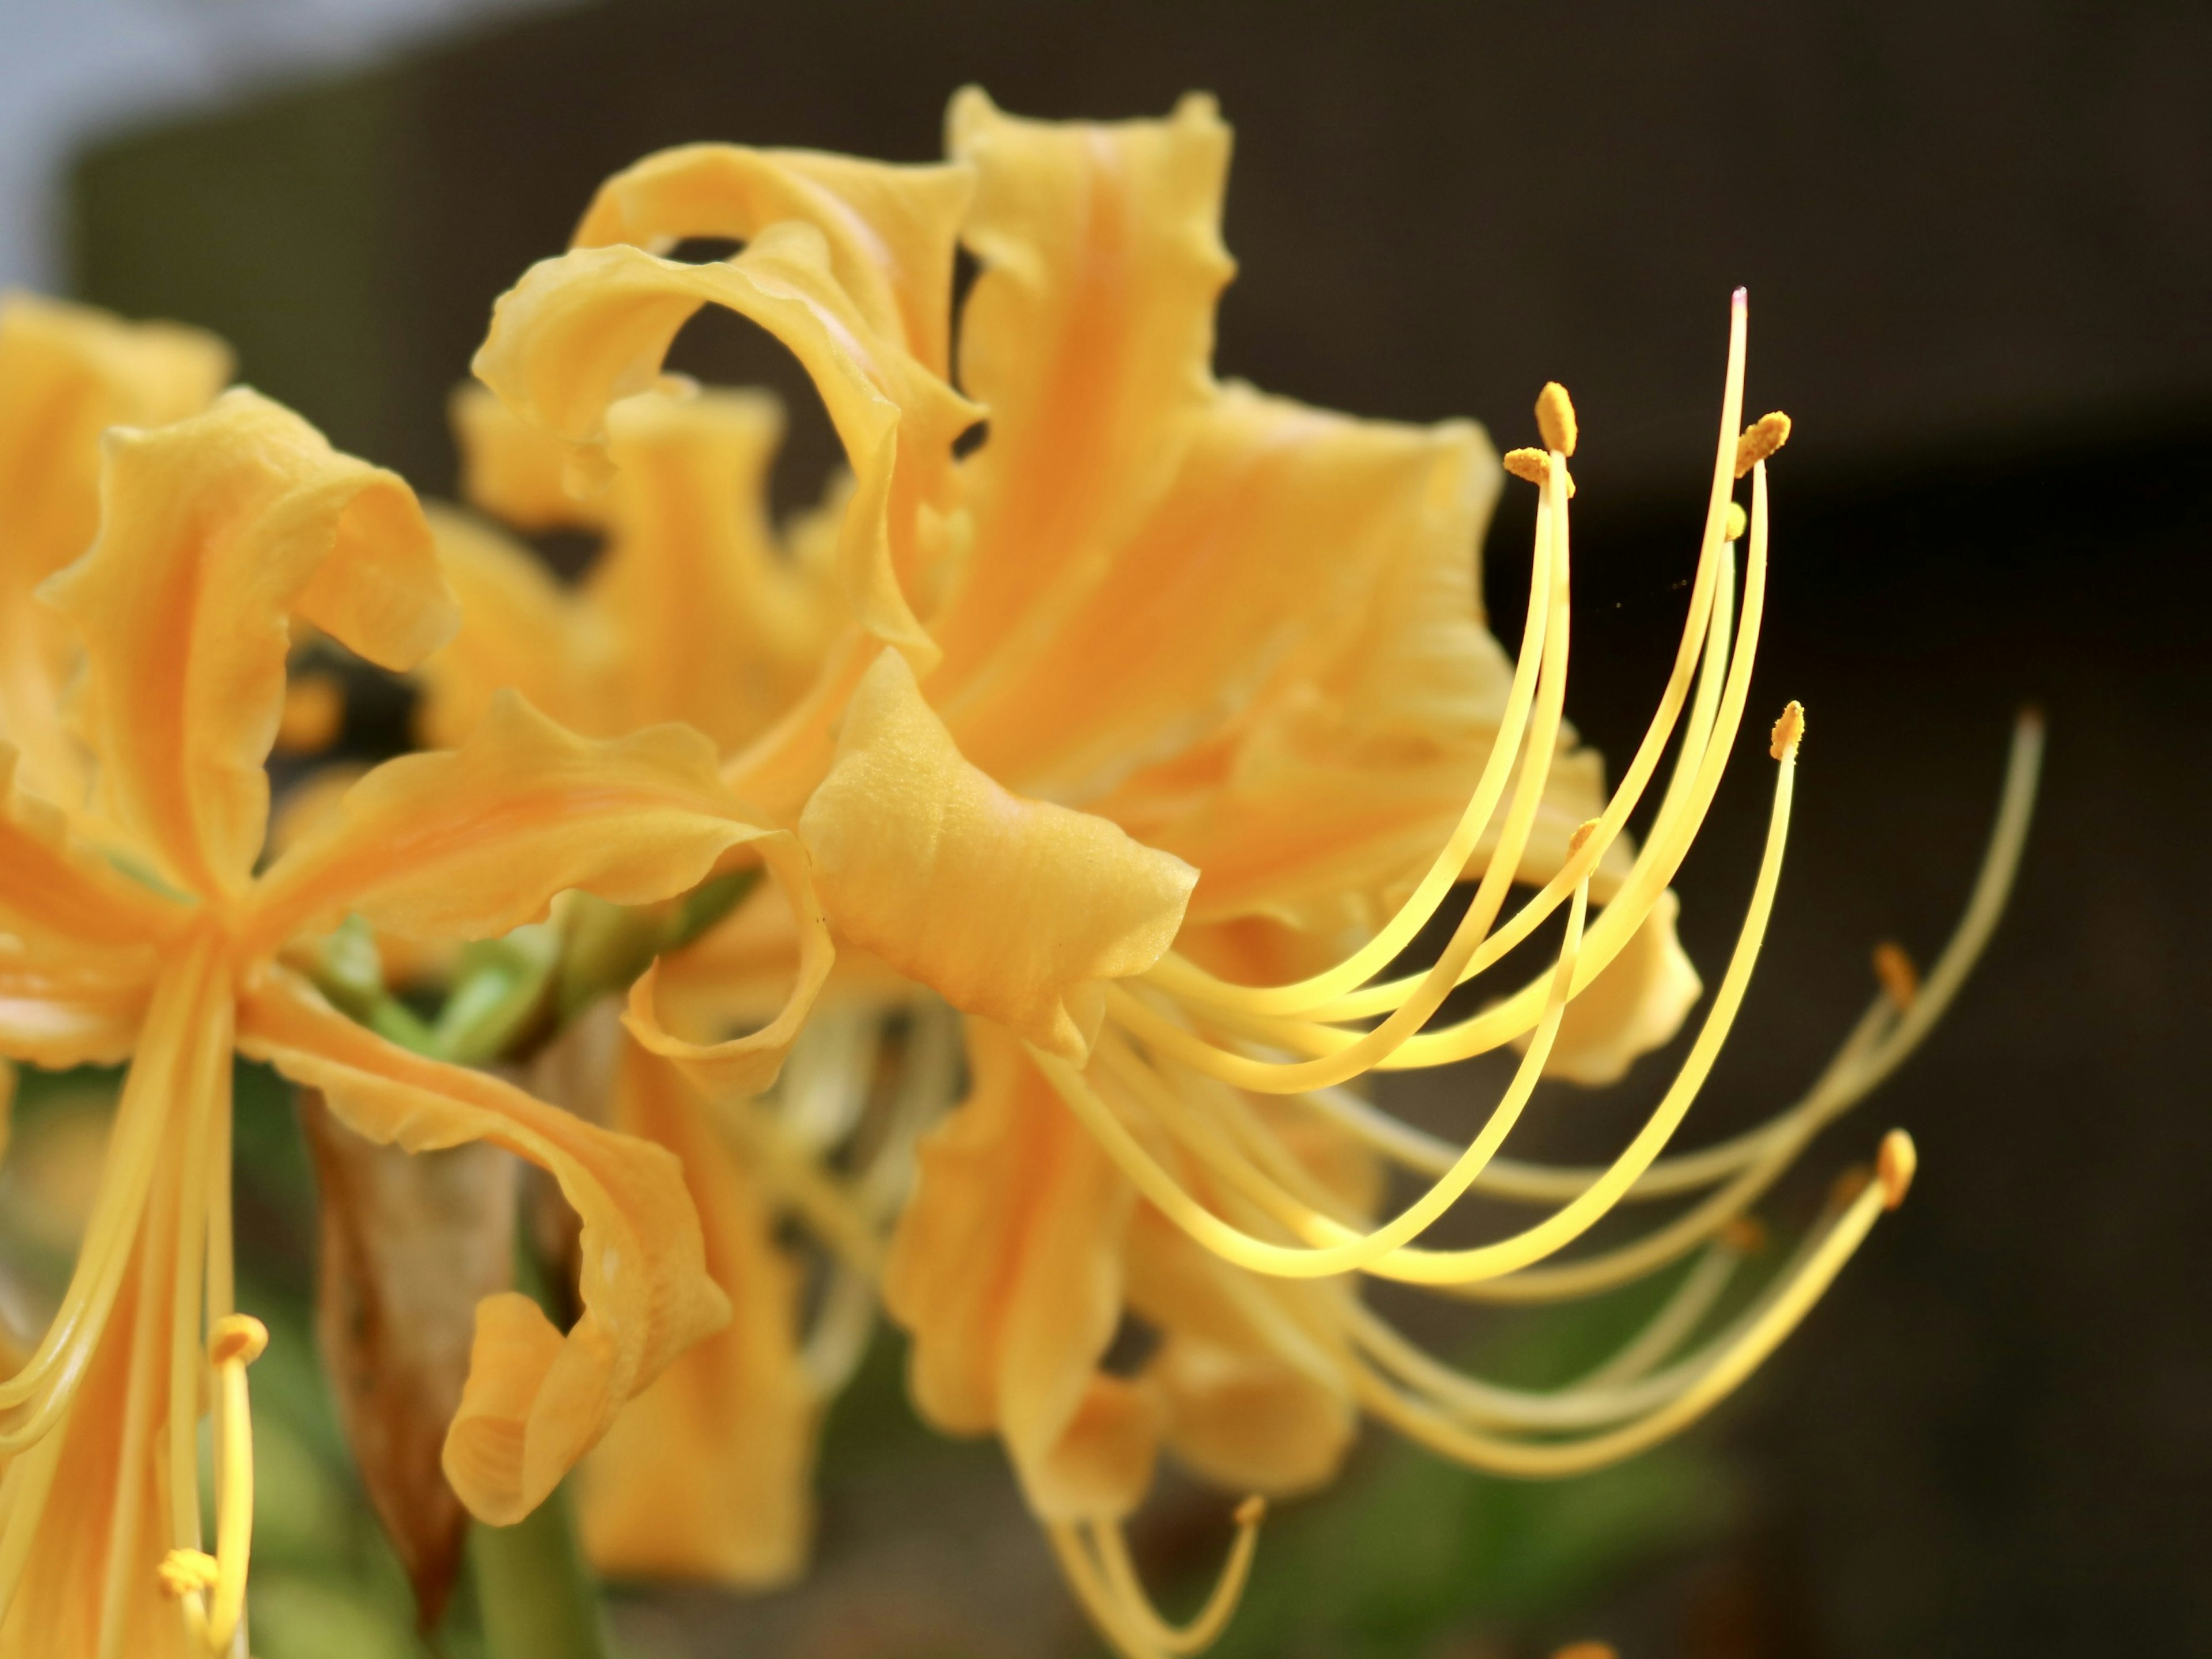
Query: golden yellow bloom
{"x": 1154, "y": 731}
{"x": 132, "y": 925}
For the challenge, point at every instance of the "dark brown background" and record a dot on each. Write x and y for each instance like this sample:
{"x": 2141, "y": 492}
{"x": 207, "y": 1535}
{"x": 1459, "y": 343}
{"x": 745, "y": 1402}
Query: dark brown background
{"x": 1979, "y": 244}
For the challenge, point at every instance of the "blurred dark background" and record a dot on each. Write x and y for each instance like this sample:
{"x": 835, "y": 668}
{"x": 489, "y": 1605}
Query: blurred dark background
{"x": 1979, "y": 240}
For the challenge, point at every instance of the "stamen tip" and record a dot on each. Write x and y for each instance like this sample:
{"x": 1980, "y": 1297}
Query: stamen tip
{"x": 237, "y": 1336}
{"x": 1789, "y": 731}
{"x": 1760, "y": 440}
{"x": 1899, "y": 977}
{"x": 1252, "y": 1511}
{"x": 1894, "y": 1166}
{"x": 1555, "y": 418}
{"x": 1746, "y": 1236}
{"x": 183, "y": 1572}
{"x": 1733, "y": 526}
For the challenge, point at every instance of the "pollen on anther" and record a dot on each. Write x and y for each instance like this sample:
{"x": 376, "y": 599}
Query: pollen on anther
{"x": 182, "y": 1572}
{"x": 1899, "y": 977}
{"x": 1760, "y": 440}
{"x": 1555, "y": 418}
{"x": 1533, "y": 466}
{"x": 1893, "y": 1167}
{"x": 1734, "y": 524}
{"x": 237, "y": 1336}
{"x": 1789, "y": 731}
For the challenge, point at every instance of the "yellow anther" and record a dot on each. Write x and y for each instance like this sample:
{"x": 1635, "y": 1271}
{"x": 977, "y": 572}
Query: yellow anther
{"x": 1789, "y": 731}
{"x": 1733, "y": 526}
{"x": 1746, "y": 1236}
{"x": 1899, "y": 977}
{"x": 1535, "y": 465}
{"x": 1584, "y": 831}
{"x": 1760, "y": 439}
{"x": 1895, "y": 1165}
{"x": 315, "y": 712}
{"x": 1555, "y": 418}
{"x": 1252, "y": 1511}
{"x": 237, "y": 1336}
{"x": 185, "y": 1572}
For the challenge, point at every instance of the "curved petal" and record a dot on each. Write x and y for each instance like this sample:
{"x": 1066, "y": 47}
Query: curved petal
{"x": 1012, "y": 908}
{"x": 213, "y": 531}
{"x": 580, "y": 332}
{"x": 471, "y": 841}
{"x": 889, "y": 229}
{"x": 67, "y": 373}
{"x": 1088, "y": 336}
{"x": 1006, "y": 1269}
{"x": 709, "y": 1474}
{"x": 536, "y": 1402}
{"x": 520, "y": 629}
{"x": 746, "y": 1065}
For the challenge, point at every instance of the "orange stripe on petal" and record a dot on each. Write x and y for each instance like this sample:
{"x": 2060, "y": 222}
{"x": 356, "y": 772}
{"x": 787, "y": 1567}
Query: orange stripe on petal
{"x": 1015, "y": 909}
{"x": 535, "y": 1400}
{"x": 213, "y": 533}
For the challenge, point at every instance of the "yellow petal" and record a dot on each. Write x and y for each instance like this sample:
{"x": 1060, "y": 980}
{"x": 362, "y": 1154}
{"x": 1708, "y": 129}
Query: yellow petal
{"x": 1636, "y": 1004}
{"x": 512, "y": 470}
{"x": 889, "y": 229}
{"x": 1012, "y": 908}
{"x": 713, "y": 622}
{"x": 63, "y": 897}
{"x": 67, "y": 373}
{"x": 535, "y": 1400}
{"x": 472, "y": 841}
{"x": 709, "y": 1474}
{"x": 746, "y": 1065}
{"x": 213, "y": 531}
{"x": 591, "y": 327}
{"x": 1087, "y": 336}
{"x": 520, "y": 630}
{"x": 1006, "y": 1270}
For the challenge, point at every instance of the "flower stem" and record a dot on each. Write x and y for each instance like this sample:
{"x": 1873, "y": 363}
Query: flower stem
{"x": 539, "y": 1600}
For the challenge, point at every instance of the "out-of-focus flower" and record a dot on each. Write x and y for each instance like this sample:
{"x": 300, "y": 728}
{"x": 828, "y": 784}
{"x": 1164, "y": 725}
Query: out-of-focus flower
{"x": 132, "y": 926}
{"x": 1155, "y": 730}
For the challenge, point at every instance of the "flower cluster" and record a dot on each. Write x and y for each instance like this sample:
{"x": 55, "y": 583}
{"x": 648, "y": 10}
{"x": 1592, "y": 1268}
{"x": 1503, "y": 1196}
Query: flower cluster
{"x": 1008, "y": 864}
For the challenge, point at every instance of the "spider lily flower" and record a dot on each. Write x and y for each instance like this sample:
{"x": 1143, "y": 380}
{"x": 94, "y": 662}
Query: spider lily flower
{"x": 133, "y": 927}
{"x": 1159, "y": 726}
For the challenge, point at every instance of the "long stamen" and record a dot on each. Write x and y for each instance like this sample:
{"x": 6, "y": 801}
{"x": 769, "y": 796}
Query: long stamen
{"x": 212, "y": 1588}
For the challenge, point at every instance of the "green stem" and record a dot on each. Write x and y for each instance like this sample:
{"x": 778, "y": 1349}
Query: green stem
{"x": 539, "y": 1599}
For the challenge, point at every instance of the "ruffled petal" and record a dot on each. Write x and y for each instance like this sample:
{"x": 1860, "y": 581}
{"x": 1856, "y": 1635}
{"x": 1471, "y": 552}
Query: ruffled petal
{"x": 1088, "y": 336}
{"x": 583, "y": 330}
{"x": 535, "y": 1400}
{"x": 1011, "y": 908}
{"x": 472, "y": 841}
{"x": 889, "y": 229}
{"x": 521, "y": 630}
{"x": 709, "y": 1474}
{"x": 67, "y": 373}
{"x": 213, "y": 533}
{"x": 1006, "y": 1269}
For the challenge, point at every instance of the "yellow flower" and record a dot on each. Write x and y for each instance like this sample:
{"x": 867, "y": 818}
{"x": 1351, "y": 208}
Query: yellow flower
{"x": 1158, "y": 727}
{"x": 132, "y": 925}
